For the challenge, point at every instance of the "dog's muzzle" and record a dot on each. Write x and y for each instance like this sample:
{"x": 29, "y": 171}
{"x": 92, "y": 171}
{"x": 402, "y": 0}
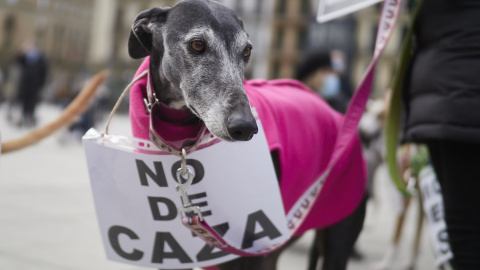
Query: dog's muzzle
{"x": 241, "y": 124}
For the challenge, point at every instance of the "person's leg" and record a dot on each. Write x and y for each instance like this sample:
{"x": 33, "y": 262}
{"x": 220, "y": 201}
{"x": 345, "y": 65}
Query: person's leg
{"x": 28, "y": 110}
{"x": 457, "y": 166}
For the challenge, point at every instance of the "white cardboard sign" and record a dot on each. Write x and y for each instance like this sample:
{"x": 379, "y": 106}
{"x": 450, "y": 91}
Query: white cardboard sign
{"x": 433, "y": 207}
{"x": 136, "y": 201}
{"x": 332, "y": 9}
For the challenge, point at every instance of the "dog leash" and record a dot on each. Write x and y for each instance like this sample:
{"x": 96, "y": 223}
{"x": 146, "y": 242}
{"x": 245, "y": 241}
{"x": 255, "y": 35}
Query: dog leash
{"x": 348, "y": 130}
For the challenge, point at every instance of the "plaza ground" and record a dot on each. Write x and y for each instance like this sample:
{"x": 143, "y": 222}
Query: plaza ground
{"x": 48, "y": 222}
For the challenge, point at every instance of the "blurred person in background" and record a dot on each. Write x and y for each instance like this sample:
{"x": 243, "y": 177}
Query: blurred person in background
{"x": 441, "y": 93}
{"x": 324, "y": 72}
{"x": 371, "y": 131}
{"x": 33, "y": 74}
{"x": 98, "y": 108}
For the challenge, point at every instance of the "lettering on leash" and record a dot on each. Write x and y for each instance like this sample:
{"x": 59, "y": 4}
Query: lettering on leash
{"x": 387, "y": 21}
{"x": 303, "y": 207}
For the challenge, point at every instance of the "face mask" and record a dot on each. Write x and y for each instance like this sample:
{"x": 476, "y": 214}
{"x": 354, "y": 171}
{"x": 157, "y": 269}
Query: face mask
{"x": 330, "y": 86}
{"x": 338, "y": 65}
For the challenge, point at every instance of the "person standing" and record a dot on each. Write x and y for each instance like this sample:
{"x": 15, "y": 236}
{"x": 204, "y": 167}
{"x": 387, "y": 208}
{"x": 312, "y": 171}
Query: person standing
{"x": 441, "y": 94}
{"x": 33, "y": 73}
{"x": 325, "y": 73}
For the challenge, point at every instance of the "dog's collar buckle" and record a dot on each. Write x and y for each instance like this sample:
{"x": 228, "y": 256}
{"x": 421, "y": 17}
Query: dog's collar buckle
{"x": 148, "y": 104}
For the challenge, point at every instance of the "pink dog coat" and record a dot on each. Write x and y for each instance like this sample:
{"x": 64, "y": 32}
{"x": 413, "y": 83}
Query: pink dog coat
{"x": 302, "y": 128}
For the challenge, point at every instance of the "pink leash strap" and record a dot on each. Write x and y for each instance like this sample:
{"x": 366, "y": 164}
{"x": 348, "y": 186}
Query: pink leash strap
{"x": 348, "y": 130}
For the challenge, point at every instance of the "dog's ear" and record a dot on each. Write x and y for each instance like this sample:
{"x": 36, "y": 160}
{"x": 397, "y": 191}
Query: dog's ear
{"x": 140, "y": 39}
{"x": 240, "y": 21}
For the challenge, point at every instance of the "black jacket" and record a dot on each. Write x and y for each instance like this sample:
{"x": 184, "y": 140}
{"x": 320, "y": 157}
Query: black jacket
{"x": 442, "y": 88}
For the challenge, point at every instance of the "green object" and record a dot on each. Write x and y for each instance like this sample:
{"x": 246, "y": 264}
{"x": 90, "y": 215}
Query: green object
{"x": 392, "y": 124}
{"x": 419, "y": 161}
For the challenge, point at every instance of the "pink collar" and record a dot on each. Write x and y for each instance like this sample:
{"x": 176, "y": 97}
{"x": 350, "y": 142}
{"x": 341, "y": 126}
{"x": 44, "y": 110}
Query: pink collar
{"x": 175, "y": 116}
{"x": 172, "y": 129}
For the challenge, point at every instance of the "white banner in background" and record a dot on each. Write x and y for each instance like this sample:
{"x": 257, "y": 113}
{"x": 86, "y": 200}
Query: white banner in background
{"x": 433, "y": 207}
{"x": 332, "y": 9}
{"x": 136, "y": 201}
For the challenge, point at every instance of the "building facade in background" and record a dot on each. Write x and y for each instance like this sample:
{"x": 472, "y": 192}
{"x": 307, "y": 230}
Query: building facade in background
{"x": 61, "y": 29}
{"x": 83, "y": 36}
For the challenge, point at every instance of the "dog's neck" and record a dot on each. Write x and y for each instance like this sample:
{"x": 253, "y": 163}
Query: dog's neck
{"x": 166, "y": 92}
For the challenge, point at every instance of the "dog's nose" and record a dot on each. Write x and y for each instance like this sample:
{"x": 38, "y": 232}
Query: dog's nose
{"x": 241, "y": 125}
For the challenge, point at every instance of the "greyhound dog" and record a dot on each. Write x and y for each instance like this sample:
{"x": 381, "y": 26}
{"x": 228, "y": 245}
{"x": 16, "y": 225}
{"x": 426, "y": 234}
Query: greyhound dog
{"x": 198, "y": 51}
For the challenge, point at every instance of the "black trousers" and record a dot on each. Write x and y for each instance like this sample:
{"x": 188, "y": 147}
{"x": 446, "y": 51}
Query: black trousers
{"x": 457, "y": 165}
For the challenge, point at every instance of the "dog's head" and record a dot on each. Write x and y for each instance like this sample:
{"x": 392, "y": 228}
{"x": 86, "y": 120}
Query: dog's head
{"x": 198, "y": 51}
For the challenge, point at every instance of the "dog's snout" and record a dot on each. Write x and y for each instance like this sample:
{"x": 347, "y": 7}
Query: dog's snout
{"x": 241, "y": 125}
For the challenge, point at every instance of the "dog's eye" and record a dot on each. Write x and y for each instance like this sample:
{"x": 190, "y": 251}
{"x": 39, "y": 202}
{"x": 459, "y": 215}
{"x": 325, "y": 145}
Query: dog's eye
{"x": 198, "y": 46}
{"x": 247, "y": 51}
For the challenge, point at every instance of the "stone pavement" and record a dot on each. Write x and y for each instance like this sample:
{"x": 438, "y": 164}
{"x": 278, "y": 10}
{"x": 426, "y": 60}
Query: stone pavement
{"x": 48, "y": 222}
